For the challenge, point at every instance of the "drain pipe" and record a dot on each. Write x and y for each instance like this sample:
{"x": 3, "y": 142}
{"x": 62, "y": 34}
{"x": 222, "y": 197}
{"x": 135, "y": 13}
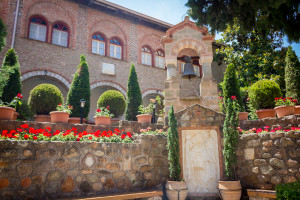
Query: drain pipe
{"x": 15, "y": 24}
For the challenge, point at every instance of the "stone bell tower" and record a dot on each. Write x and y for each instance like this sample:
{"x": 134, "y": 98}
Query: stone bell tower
{"x": 187, "y": 39}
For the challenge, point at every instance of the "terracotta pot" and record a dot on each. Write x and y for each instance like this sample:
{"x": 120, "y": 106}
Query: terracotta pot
{"x": 59, "y": 117}
{"x": 76, "y": 120}
{"x": 230, "y": 190}
{"x": 282, "y": 111}
{"x": 102, "y": 120}
{"x": 173, "y": 188}
{"x": 16, "y": 115}
{"x": 42, "y": 118}
{"x": 297, "y": 110}
{"x": 266, "y": 113}
{"x": 243, "y": 115}
{"x": 6, "y": 113}
{"x": 144, "y": 118}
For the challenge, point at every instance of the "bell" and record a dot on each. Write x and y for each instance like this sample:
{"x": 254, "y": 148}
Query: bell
{"x": 188, "y": 69}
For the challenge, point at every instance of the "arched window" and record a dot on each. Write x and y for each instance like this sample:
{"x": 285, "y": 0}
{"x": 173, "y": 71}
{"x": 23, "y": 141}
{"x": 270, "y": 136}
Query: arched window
{"x": 98, "y": 44}
{"x": 115, "y": 49}
{"x": 37, "y": 29}
{"x": 146, "y": 56}
{"x": 160, "y": 59}
{"x": 60, "y": 34}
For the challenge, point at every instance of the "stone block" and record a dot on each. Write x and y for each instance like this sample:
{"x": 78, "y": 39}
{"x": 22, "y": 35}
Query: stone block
{"x": 267, "y": 170}
{"x": 276, "y": 162}
{"x": 67, "y": 185}
{"x": 249, "y": 154}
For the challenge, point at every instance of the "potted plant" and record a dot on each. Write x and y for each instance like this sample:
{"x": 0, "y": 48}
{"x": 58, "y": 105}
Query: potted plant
{"x": 103, "y": 116}
{"x": 62, "y": 113}
{"x": 175, "y": 187}
{"x": 262, "y": 95}
{"x": 8, "y": 110}
{"x": 285, "y": 106}
{"x": 145, "y": 113}
{"x": 230, "y": 189}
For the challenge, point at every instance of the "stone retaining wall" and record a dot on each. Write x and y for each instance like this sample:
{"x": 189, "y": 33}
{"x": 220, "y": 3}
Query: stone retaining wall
{"x": 41, "y": 170}
{"x": 266, "y": 159}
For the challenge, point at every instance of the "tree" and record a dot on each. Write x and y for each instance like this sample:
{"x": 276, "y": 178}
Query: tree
{"x": 257, "y": 54}
{"x": 134, "y": 96}
{"x": 80, "y": 89}
{"x": 13, "y": 84}
{"x": 292, "y": 75}
{"x": 231, "y": 86}
{"x": 173, "y": 147}
{"x": 281, "y": 16}
{"x": 3, "y": 34}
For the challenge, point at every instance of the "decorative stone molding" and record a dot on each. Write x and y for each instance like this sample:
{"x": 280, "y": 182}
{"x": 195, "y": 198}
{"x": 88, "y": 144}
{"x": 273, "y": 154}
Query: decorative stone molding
{"x": 151, "y": 91}
{"x": 111, "y": 84}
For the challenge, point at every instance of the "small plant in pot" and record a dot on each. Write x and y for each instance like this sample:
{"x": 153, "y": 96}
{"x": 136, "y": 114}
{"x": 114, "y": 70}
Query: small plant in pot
{"x": 175, "y": 187}
{"x": 145, "y": 113}
{"x": 103, "y": 116}
{"x": 262, "y": 95}
{"x": 230, "y": 189}
{"x": 62, "y": 113}
{"x": 7, "y": 110}
{"x": 285, "y": 106}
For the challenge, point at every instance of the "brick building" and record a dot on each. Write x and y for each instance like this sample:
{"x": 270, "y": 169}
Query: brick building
{"x": 50, "y": 36}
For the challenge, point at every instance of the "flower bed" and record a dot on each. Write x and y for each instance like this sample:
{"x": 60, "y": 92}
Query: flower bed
{"x": 266, "y": 129}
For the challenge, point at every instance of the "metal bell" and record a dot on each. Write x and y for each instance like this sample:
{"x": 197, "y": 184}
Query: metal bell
{"x": 188, "y": 69}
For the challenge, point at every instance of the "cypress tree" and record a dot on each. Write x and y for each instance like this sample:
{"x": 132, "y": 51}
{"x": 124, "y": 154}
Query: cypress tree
{"x": 292, "y": 75}
{"x": 13, "y": 84}
{"x": 80, "y": 89}
{"x": 3, "y": 34}
{"x": 231, "y": 86}
{"x": 173, "y": 147}
{"x": 134, "y": 96}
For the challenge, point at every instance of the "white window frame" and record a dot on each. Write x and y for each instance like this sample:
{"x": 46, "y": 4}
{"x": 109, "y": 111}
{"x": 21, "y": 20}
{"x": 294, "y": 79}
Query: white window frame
{"x": 35, "y": 34}
{"x": 113, "y": 51}
{"x": 146, "y": 58}
{"x": 98, "y": 47}
{"x": 59, "y": 42}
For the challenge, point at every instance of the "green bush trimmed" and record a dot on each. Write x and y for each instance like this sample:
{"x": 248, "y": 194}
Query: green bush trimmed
{"x": 44, "y": 98}
{"x": 292, "y": 75}
{"x": 262, "y": 94}
{"x": 24, "y": 111}
{"x": 288, "y": 191}
{"x": 115, "y": 100}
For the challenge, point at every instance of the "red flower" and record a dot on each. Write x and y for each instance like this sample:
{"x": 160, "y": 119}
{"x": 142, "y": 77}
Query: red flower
{"x": 20, "y": 96}
{"x": 98, "y": 110}
{"x": 90, "y": 138}
{"x": 24, "y": 126}
{"x": 233, "y": 97}
{"x": 129, "y": 134}
{"x": 26, "y": 137}
{"x": 59, "y": 104}
{"x": 34, "y": 137}
{"x": 123, "y": 136}
{"x": 78, "y": 139}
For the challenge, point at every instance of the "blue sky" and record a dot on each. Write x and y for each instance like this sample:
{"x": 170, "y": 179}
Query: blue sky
{"x": 171, "y": 11}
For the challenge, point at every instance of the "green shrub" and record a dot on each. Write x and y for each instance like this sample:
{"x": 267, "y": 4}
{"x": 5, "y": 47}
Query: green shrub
{"x": 13, "y": 85}
{"x": 288, "y": 191}
{"x": 231, "y": 86}
{"x": 3, "y": 34}
{"x": 44, "y": 98}
{"x": 115, "y": 100}
{"x": 80, "y": 89}
{"x": 292, "y": 75}
{"x": 24, "y": 111}
{"x": 262, "y": 94}
{"x": 134, "y": 96}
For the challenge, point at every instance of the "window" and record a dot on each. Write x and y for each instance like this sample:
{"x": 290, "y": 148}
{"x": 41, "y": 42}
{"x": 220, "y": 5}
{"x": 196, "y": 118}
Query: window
{"x": 98, "y": 44}
{"x": 160, "y": 59}
{"x": 146, "y": 56}
{"x": 60, "y": 35}
{"x": 115, "y": 49}
{"x": 38, "y": 29}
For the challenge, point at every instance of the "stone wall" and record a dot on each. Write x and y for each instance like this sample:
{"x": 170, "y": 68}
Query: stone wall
{"x": 42, "y": 170}
{"x": 266, "y": 159}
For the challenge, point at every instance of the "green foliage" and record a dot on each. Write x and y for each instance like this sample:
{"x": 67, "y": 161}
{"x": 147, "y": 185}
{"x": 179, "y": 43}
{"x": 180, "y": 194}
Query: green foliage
{"x": 288, "y": 191}
{"x": 4, "y": 76}
{"x": 282, "y": 16}
{"x": 231, "y": 86}
{"x": 257, "y": 54}
{"x": 44, "y": 98}
{"x": 80, "y": 89}
{"x": 13, "y": 84}
{"x": 173, "y": 147}
{"x": 115, "y": 100}
{"x": 24, "y": 111}
{"x": 3, "y": 34}
{"x": 134, "y": 96}
{"x": 292, "y": 75}
{"x": 263, "y": 93}
{"x": 231, "y": 137}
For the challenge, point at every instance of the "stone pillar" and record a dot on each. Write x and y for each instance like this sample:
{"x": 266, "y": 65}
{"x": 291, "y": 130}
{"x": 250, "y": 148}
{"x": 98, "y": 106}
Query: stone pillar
{"x": 172, "y": 88}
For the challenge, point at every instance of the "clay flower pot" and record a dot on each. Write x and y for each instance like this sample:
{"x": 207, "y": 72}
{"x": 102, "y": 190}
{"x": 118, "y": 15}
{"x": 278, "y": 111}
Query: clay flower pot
{"x": 42, "y": 118}
{"x": 173, "y": 188}
{"x": 282, "y": 111}
{"x": 144, "y": 118}
{"x": 6, "y": 113}
{"x": 297, "y": 110}
{"x": 266, "y": 113}
{"x": 102, "y": 120}
{"x": 59, "y": 117}
{"x": 243, "y": 115}
{"x": 230, "y": 190}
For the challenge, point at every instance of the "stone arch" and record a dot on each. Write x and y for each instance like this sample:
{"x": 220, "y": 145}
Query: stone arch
{"x": 188, "y": 44}
{"x": 110, "y": 84}
{"x": 152, "y": 91}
